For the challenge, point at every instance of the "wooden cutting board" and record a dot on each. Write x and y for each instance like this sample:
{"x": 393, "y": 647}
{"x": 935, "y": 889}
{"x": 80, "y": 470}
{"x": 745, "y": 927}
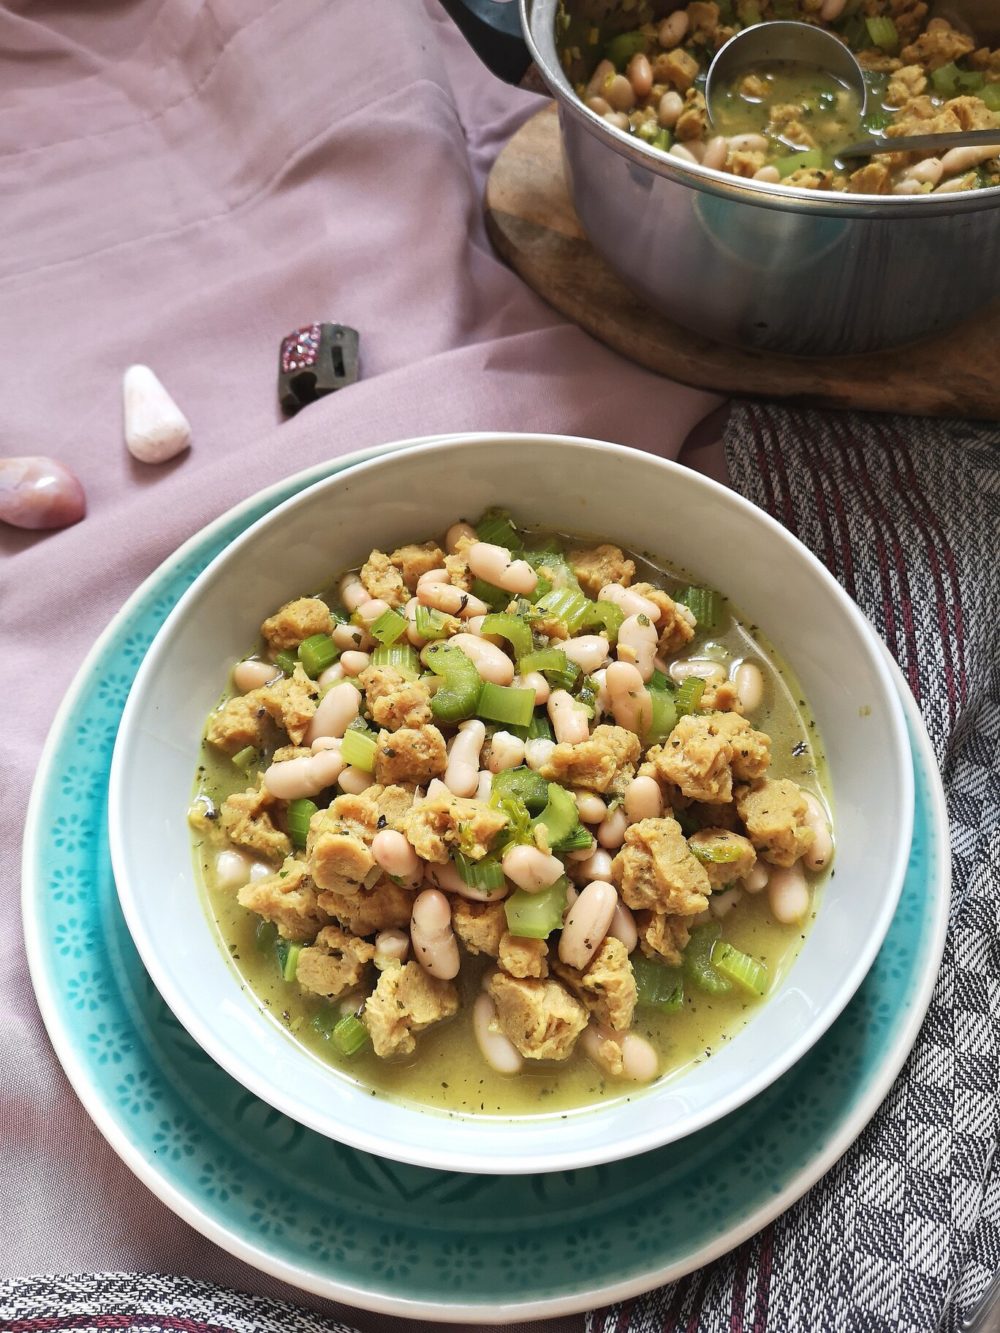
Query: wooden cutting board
{"x": 532, "y": 224}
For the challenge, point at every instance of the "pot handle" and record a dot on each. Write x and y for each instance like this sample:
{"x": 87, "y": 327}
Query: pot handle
{"x": 493, "y": 30}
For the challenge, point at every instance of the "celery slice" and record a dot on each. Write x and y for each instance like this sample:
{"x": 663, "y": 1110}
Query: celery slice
{"x": 717, "y": 853}
{"x": 688, "y": 695}
{"x": 516, "y": 631}
{"x": 496, "y": 527}
{"x": 545, "y": 659}
{"x": 349, "y": 1035}
{"x": 495, "y": 598}
{"x": 566, "y": 604}
{"x": 740, "y": 968}
{"x": 504, "y": 703}
{"x": 458, "y": 695}
{"x": 300, "y": 812}
{"x": 536, "y": 915}
{"x": 358, "y": 749}
{"x": 605, "y": 615}
{"x": 698, "y": 966}
{"x": 524, "y": 783}
{"x": 657, "y": 985}
{"x": 244, "y": 759}
{"x": 560, "y": 816}
{"x": 317, "y": 653}
{"x": 431, "y": 624}
{"x": 389, "y": 626}
{"x": 882, "y": 33}
{"x": 663, "y": 717}
{"x": 401, "y": 656}
{"x": 486, "y": 874}
{"x": 286, "y": 660}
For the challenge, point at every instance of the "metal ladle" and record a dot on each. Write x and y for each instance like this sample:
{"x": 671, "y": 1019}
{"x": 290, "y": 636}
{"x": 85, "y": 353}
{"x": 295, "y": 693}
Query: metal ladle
{"x": 807, "y": 44}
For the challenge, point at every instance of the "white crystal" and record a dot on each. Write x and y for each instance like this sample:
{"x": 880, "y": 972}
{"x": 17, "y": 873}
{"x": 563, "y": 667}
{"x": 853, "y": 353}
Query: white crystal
{"x": 155, "y": 427}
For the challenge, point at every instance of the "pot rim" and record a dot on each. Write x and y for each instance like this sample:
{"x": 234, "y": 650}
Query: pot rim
{"x": 738, "y": 189}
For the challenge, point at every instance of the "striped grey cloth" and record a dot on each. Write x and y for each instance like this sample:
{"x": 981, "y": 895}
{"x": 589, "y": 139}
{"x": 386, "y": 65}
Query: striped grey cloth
{"x": 904, "y": 1232}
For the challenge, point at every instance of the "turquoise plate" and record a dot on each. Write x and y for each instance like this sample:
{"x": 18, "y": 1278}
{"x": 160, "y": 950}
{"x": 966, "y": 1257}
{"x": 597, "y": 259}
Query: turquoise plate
{"x": 374, "y": 1233}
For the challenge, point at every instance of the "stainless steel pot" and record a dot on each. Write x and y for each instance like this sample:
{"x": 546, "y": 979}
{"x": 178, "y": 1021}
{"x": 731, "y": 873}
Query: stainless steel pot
{"x": 767, "y": 266}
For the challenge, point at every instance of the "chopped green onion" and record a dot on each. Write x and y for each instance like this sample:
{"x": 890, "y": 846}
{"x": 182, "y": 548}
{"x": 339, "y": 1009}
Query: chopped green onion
{"x": 688, "y": 695}
{"x": 389, "y": 626}
{"x": 286, "y": 660}
{"x": 299, "y": 814}
{"x": 560, "y": 816}
{"x": 358, "y": 749}
{"x": 495, "y": 598}
{"x": 624, "y": 46}
{"x": 698, "y": 966}
{"x": 657, "y": 985}
{"x": 540, "y": 728}
{"x": 266, "y": 936}
{"x": 431, "y": 624}
{"x": 505, "y": 703}
{"x": 518, "y": 819}
{"x": 517, "y": 632}
{"x": 244, "y": 759}
{"x": 486, "y": 874}
{"x": 524, "y": 783}
{"x": 882, "y": 33}
{"x": 536, "y": 915}
{"x": 291, "y": 964}
{"x": 457, "y": 697}
{"x": 545, "y": 659}
{"x": 720, "y": 852}
{"x": 317, "y": 653}
{"x": 566, "y": 604}
{"x": 812, "y": 157}
{"x": 604, "y": 614}
{"x": 496, "y": 527}
{"x": 349, "y": 1035}
{"x": 401, "y": 656}
{"x": 737, "y": 966}
{"x": 663, "y": 716}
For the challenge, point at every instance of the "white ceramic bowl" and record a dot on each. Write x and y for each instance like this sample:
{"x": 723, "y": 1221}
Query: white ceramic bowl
{"x": 584, "y": 486}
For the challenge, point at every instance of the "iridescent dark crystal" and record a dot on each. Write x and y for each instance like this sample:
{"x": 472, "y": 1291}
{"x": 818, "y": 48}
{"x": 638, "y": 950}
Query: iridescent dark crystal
{"x": 316, "y": 360}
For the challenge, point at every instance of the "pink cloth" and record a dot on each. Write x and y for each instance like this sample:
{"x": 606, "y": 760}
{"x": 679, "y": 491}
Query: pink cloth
{"x": 182, "y": 185}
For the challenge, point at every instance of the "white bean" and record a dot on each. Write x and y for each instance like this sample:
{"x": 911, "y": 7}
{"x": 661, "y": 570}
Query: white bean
{"x": 436, "y": 788}
{"x": 908, "y": 187}
{"x": 253, "y": 675}
{"x": 232, "y": 869}
{"x": 432, "y": 576}
{"x": 618, "y": 119}
{"x": 770, "y": 174}
{"x": 491, "y": 662}
{"x": 643, "y": 800}
{"x": 619, "y": 93}
{"x": 749, "y": 682}
{"x": 640, "y": 75}
{"x": 631, "y": 603}
{"x": 927, "y": 172}
{"x": 458, "y": 531}
{"x": 497, "y": 1050}
{"x": 668, "y": 112}
{"x": 354, "y": 663}
{"x": 496, "y": 565}
{"x": 368, "y": 612}
{"x": 716, "y": 152}
{"x": 410, "y": 615}
{"x": 588, "y": 651}
{"x": 351, "y": 637}
{"x": 611, "y": 832}
{"x": 673, "y": 29}
{"x": 964, "y": 159}
{"x": 353, "y": 592}
{"x": 354, "y": 780}
{"x": 434, "y": 945}
{"x": 748, "y": 143}
{"x": 391, "y": 946}
{"x": 637, "y": 639}
{"x": 530, "y": 868}
{"x": 484, "y": 786}
{"x": 260, "y": 870}
{"x": 538, "y": 752}
{"x": 330, "y": 676}
{"x": 756, "y": 879}
{"x": 336, "y": 710}
{"x": 453, "y": 601}
{"x": 603, "y": 73}
{"x": 602, "y": 702}
{"x": 788, "y": 894}
{"x": 680, "y": 151}
{"x": 534, "y": 680}
{"x": 640, "y": 1063}
{"x": 623, "y": 927}
{"x": 461, "y": 776}
{"x": 697, "y": 666}
{"x": 395, "y": 855}
{"x": 817, "y": 856}
{"x": 291, "y": 779}
{"x": 832, "y": 9}
{"x": 721, "y": 904}
{"x": 598, "y": 866}
{"x": 631, "y": 705}
{"x": 568, "y": 717}
{"x": 506, "y": 751}
{"x": 591, "y": 808}
{"x": 587, "y": 923}
{"x": 955, "y": 185}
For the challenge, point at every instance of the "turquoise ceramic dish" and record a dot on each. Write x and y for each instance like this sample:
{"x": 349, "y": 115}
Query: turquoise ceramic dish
{"x": 381, "y": 1235}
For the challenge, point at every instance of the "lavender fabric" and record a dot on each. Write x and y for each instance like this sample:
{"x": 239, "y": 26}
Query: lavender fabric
{"x": 184, "y": 183}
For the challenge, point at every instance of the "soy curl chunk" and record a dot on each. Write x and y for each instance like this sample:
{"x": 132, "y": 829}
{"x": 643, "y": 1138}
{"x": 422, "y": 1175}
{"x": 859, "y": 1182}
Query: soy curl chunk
{"x": 643, "y": 800}
{"x": 434, "y": 945}
{"x": 497, "y": 1050}
{"x": 393, "y": 853}
{"x": 531, "y": 869}
{"x": 631, "y": 706}
{"x": 491, "y": 662}
{"x": 637, "y": 639}
{"x": 38, "y": 493}
{"x": 587, "y": 924}
{"x": 496, "y": 565}
{"x": 391, "y": 946}
{"x": 506, "y": 751}
{"x": 568, "y": 717}
{"x": 461, "y": 776}
{"x": 589, "y": 651}
{"x": 451, "y": 600}
{"x": 254, "y": 675}
{"x": 820, "y": 851}
{"x": 639, "y": 1062}
{"x": 788, "y": 894}
{"x": 336, "y": 711}
{"x": 631, "y": 603}
{"x": 291, "y": 779}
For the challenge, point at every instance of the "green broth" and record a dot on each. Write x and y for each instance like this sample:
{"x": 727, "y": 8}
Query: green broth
{"x": 798, "y": 107}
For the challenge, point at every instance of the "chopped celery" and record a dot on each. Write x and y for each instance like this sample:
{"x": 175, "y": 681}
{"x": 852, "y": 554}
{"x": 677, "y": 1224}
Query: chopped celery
{"x": 749, "y": 12}
{"x": 577, "y": 840}
{"x": 663, "y": 717}
{"x": 389, "y": 627}
{"x": 991, "y": 96}
{"x": 317, "y": 653}
{"x": 324, "y": 1020}
{"x": 349, "y": 1035}
{"x": 704, "y": 603}
{"x": 688, "y": 695}
{"x": 506, "y": 704}
{"x": 516, "y": 631}
{"x": 496, "y": 527}
{"x": 536, "y": 915}
{"x": 554, "y": 569}
{"x": 358, "y": 749}
{"x": 604, "y": 615}
{"x": 560, "y": 816}
{"x": 624, "y": 46}
{"x": 300, "y": 812}
{"x": 719, "y": 851}
{"x": 399, "y": 655}
{"x": 457, "y": 697}
{"x": 882, "y": 33}
{"x": 812, "y": 157}
{"x": 664, "y": 141}
{"x": 587, "y": 695}
{"x": 566, "y": 604}
{"x": 286, "y": 660}
{"x": 526, "y": 784}
{"x": 565, "y": 678}
{"x": 698, "y": 966}
{"x": 485, "y": 874}
{"x": 658, "y": 681}
{"x": 516, "y": 812}
{"x": 737, "y": 966}
{"x": 657, "y": 985}
{"x": 431, "y": 624}
{"x": 244, "y": 759}
{"x": 291, "y": 963}
{"x": 495, "y": 598}
{"x": 266, "y": 936}
{"x": 545, "y": 659}
{"x": 540, "y": 728}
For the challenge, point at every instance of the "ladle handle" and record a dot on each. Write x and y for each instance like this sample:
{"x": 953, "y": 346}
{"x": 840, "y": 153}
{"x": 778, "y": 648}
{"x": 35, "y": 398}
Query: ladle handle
{"x": 914, "y": 143}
